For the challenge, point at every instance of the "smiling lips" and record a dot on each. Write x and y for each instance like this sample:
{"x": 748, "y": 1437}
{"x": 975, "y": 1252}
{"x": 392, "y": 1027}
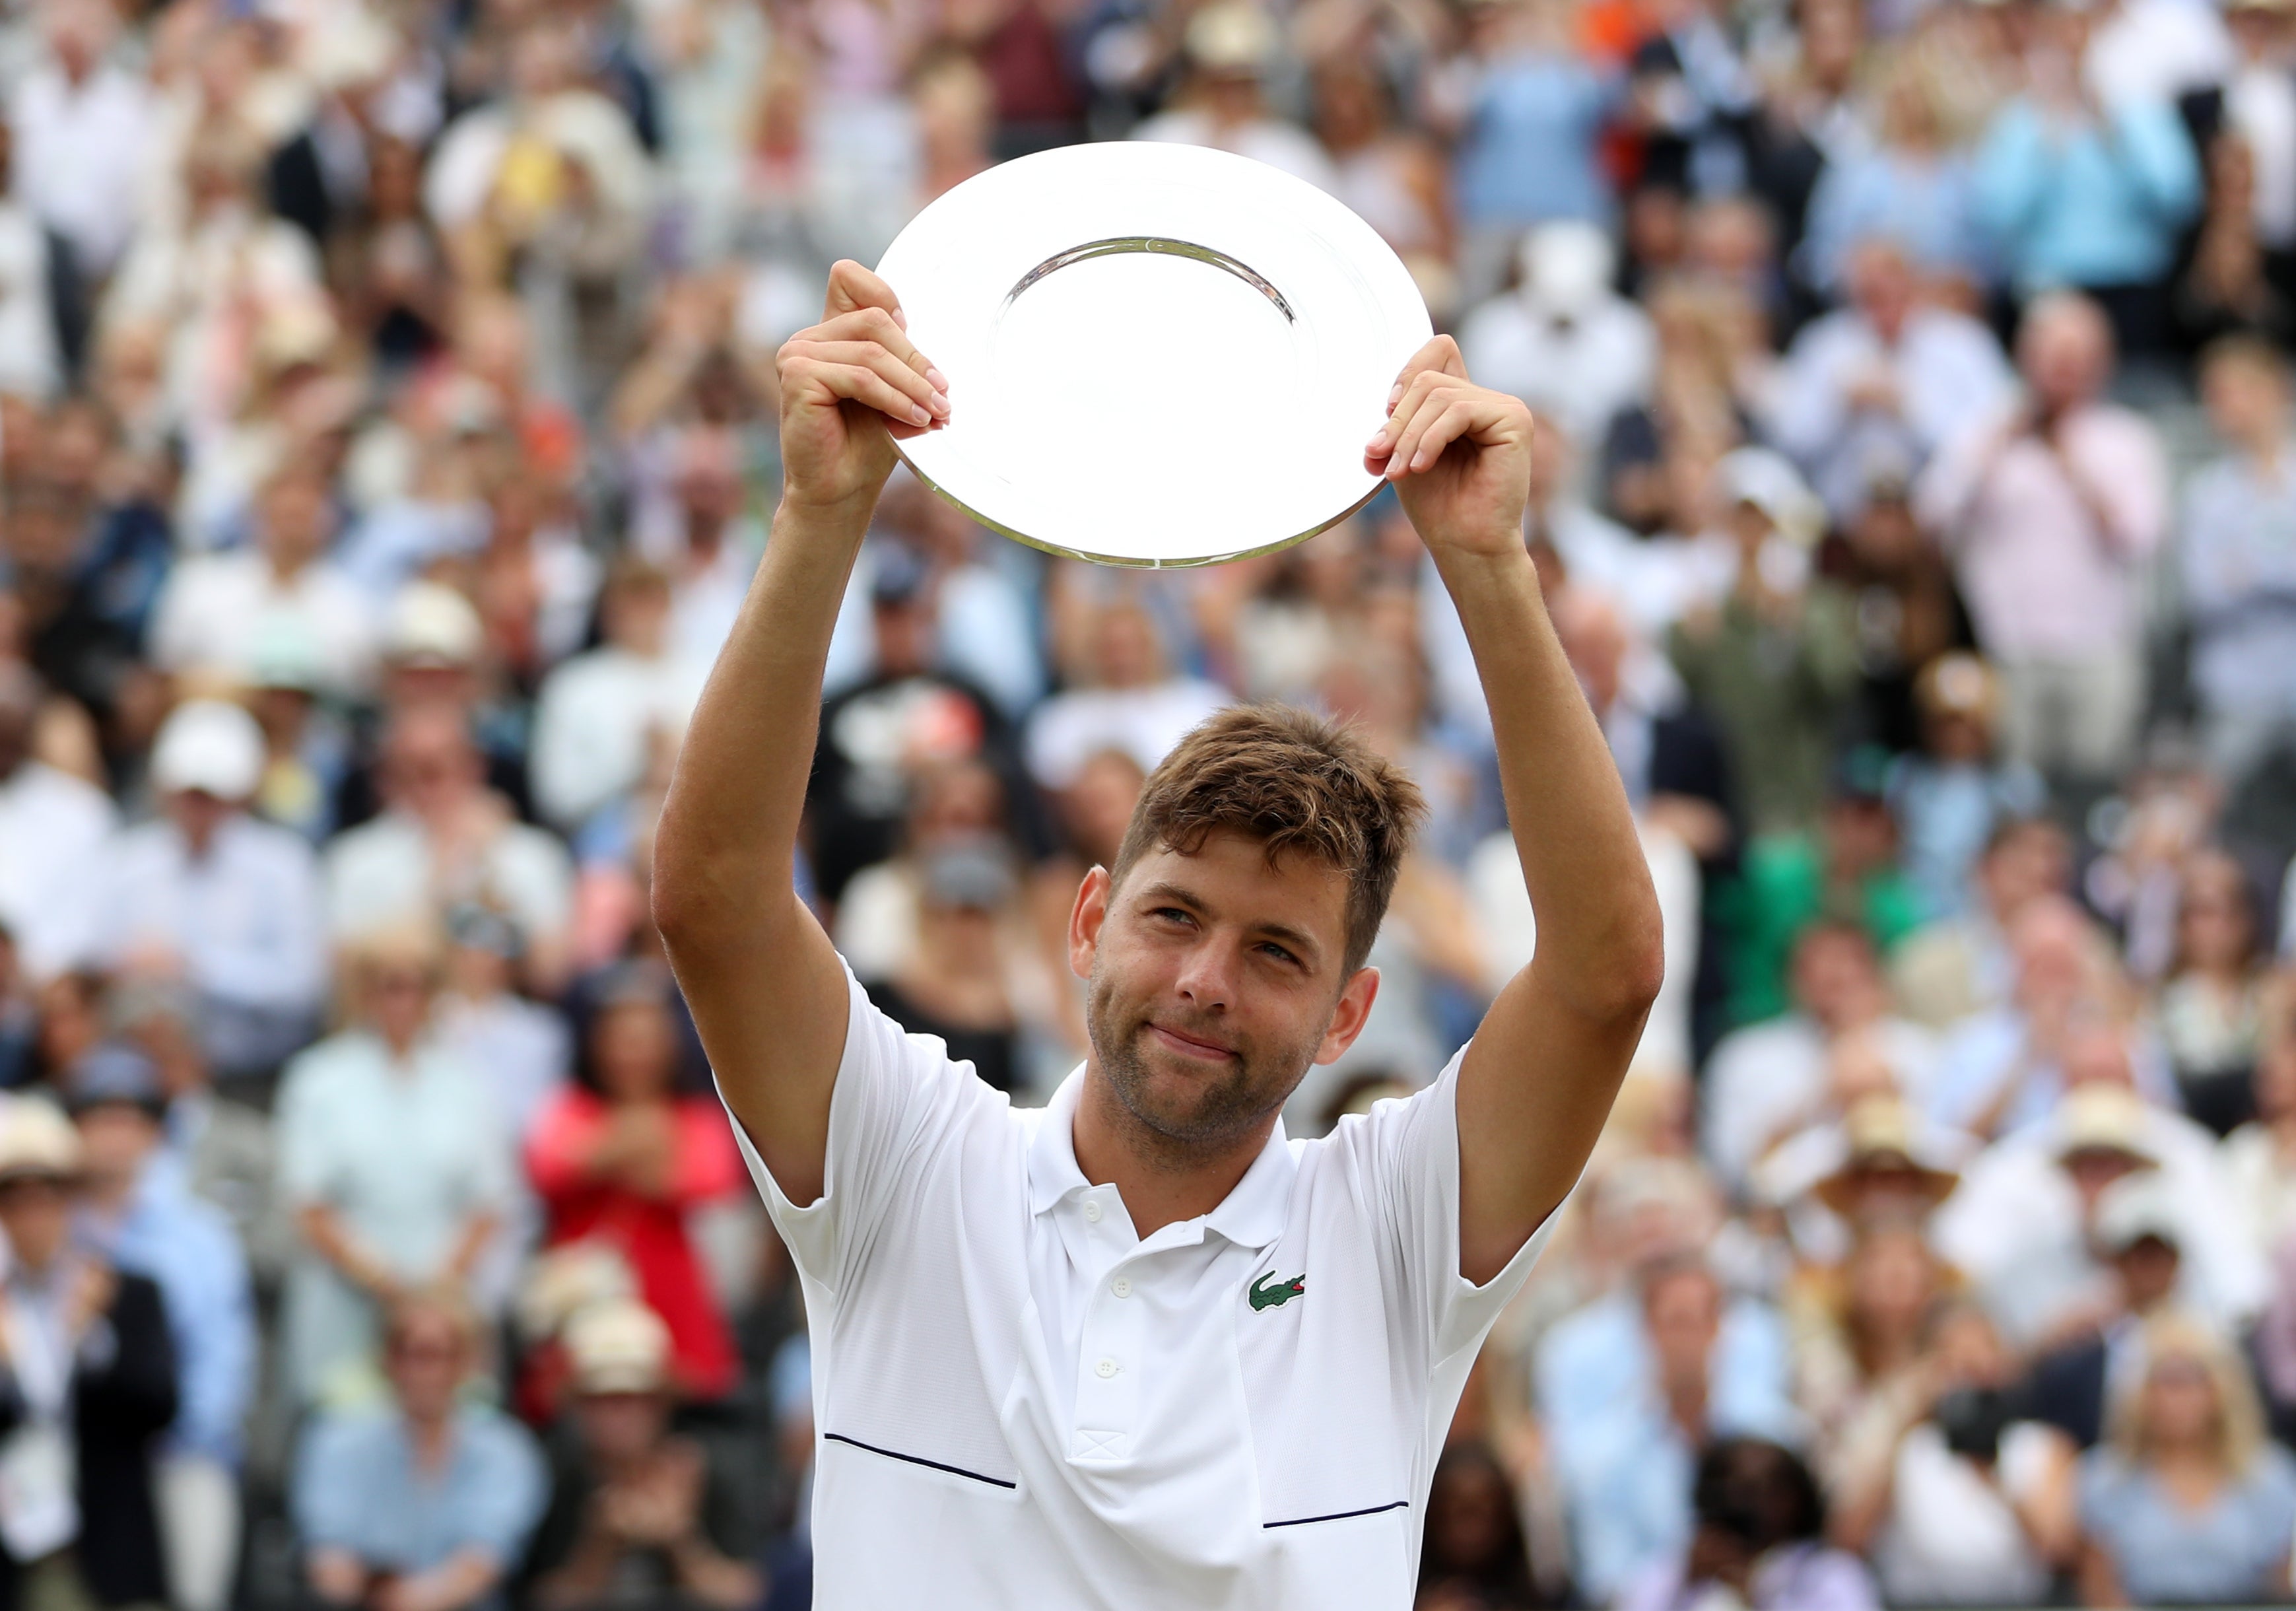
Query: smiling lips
{"x": 1190, "y": 1046}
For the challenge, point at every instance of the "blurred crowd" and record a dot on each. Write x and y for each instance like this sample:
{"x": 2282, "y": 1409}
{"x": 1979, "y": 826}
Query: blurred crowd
{"x": 387, "y": 440}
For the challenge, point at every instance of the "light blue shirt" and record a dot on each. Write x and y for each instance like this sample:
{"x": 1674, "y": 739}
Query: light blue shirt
{"x": 2089, "y": 204}
{"x": 356, "y": 1487}
{"x": 1625, "y": 1467}
{"x": 1531, "y": 148}
{"x": 189, "y": 1249}
{"x": 1928, "y": 206}
{"x": 1946, "y": 812}
{"x": 2237, "y": 555}
{"x": 2229, "y": 1551}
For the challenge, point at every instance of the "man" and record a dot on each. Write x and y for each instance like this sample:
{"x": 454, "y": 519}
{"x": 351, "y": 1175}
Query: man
{"x": 598, "y": 714}
{"x": 1952, "y": 967}
{"x": 209, "y": 893}
{"x": 1138, "y": 1349}
{"x": 2236, "y": 563}
{"x": 53, "y": 827}
{"x": 427, "y": 1501}
{"x": 2139, "y": 1230}
{"x": 139, "y": 1213}
{"x": 2050, "y": 513}
{"x": 87, "y": 1387}
{"x": 639, "y": 1519}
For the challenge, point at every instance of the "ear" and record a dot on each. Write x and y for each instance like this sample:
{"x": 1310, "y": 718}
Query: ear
{"x": 1350, "y": 1015}
{"x": 1085, "y": 918}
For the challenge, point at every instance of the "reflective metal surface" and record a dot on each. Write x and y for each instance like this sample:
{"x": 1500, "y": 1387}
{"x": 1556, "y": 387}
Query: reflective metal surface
{"x": 1157, "y": 355}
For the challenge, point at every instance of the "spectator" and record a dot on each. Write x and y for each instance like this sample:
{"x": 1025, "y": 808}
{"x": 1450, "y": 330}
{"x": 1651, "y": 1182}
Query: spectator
{"x": 393, "y": 1163}
{"x": 137, "y": 1214}
{"x": 1136, "y": 703}
{"x": 2049, "y": 511}
{"x": 638, "y": 1515}
{"x": 1954, "y": 794}
{"x": 446, "y": 838}
{"x": 2086, "y": 190}
{"x": 1889, "y": 377}
{"x": 1473, "y": 1557}
{"x": 597, "y": 710}
{"x": 87, "y": 1389}
{"x": 1912, "y": 188}
{"x": 2259, "y": 1157}
{"x": 217, "y": 607}
{"x": 1767, "y": 649}
{"x": 2239, "y": 581}
{"x": 2140, "y": 1231}
{"x": 82, "y": 128}
{"x": 1961, "y": 1500}
{"x": 211, "y": 893}
{"x": 1759, "y": 1539}
{"x": 1231, "y": 47}
{"x": 429, "y": 1498}
{"x": 1564, "y": 341}
{"x": 622, "y": 1160}
{"x": 1627, "y": 1468}
{"x": 518, "y": 1046}
{"x": 2189, "y": 1502}
{"x": 2211, "y": 1008}
{"x": 68, "y": 820}
{"x": 1952, "y": 967}
{"x": 958, "y": 979}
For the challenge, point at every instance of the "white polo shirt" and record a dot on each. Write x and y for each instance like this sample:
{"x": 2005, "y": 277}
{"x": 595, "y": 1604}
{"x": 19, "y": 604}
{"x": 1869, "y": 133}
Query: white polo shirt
{"x": 1018, "y": 1401}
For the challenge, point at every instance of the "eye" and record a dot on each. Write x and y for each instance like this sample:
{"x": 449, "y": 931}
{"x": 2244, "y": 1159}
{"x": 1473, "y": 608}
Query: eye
{"x": 1278, "y": 952}
{"x": 1170, "y": 914}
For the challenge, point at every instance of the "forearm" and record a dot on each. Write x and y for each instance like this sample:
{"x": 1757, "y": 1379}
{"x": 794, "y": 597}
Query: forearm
{"x": 709, "y": 1575}
{"x": 729, "y": 824}
{"x": 1582, "y": 860}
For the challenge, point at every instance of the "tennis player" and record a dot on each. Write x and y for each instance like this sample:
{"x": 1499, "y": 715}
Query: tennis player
{"x": 1137, "y": 1350}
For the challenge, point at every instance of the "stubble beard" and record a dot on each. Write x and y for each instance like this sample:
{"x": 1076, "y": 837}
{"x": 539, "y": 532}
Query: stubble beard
{"x": 1227, "y": 1106}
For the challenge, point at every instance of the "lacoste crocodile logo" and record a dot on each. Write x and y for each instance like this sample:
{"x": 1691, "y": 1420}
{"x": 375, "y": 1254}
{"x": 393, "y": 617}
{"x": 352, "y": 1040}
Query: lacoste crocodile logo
{"x": 1264, "y": 1296}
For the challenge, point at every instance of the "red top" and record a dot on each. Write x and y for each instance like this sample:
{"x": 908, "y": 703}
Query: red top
{"x": 648, "y": 1230}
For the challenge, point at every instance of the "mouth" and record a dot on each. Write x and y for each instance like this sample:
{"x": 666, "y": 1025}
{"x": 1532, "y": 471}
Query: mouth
{"x": 1189, "y": 1046}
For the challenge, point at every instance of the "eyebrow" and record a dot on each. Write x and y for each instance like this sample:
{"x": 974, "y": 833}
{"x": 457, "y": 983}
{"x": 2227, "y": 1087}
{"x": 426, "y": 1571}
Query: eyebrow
{"x": 1299, "y": 939}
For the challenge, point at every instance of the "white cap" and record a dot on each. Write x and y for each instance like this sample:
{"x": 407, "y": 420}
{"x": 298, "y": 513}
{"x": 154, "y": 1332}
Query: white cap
{"x": 2130, "y": 1210}
{"x": 617, "y": 1346}
{"x": 1770, "y": 481}
{"x": 430, "y": 623}
{"x": 1567, "y": 267}
{"x": 36, "y": 1138}
{"x": 212, "y": 746}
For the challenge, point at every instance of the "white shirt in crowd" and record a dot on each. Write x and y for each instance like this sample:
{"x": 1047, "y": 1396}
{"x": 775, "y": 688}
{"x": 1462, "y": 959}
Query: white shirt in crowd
{"x": 244, "y": 917}
{"x": 53, "y": 830}
{"x": 1580, "y": 370}
{"x": 1767, "y": 1080}
{"x": 594, "y": 720}
{"x": 80, "y": 158}
{"x": 379, "y": 874}
{"x": 30, "y": 364}
{"x": 1144, "y": 723}
{"x": 1018, "y": 1401}
{"x": 218, "y": 609}
{"x": 1269, "y": 140}
{"x": 1952, "y": 1537}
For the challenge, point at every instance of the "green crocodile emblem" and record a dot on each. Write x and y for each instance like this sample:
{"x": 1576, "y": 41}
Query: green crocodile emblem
{"x": 1264, "y": 1296}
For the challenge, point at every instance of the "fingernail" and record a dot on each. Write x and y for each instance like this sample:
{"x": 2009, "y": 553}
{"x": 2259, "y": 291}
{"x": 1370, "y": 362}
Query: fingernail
{"x": 1378, "y": 441}
{"x": 919, "y": 416}
{"x": 940, "y": 403}
{"x": 939, "y": 381}
{"x": 900, "y": 318}
{"x": 1393, "y": 393}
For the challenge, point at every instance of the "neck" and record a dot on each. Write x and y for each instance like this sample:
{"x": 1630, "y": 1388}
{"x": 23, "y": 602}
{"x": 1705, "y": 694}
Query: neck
{"x": 107, "y": 1195}
{"x": 430, "y": 1435}
{"x": 1162, "y": 1181}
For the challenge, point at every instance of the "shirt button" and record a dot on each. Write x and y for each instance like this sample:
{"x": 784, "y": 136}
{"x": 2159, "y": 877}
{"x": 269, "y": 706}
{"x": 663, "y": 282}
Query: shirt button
{"x": 1091, "y": 1212}
{"x": 1104, "y": 1369}
{"x": 1121, "y": 1287}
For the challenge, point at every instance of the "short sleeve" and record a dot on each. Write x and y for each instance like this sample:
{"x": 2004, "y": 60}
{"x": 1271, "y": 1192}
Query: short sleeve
{"x": 507, "y": 1492}
{"x": 896, "y": 1096}
{"x": 1415, "y": 1143}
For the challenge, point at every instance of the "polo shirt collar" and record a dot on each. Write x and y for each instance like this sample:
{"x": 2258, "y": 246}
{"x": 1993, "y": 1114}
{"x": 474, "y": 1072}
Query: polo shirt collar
{"x": 1252, "y": 1216}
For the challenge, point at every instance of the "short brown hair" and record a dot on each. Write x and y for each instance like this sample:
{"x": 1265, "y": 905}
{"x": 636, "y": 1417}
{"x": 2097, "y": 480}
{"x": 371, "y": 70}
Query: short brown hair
{"x": 1295, "y": 781}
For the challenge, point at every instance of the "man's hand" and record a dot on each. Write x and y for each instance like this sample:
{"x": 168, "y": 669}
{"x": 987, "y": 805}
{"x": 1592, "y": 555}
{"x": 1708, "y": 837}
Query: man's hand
{"x": 1458, "y": 453}
{"x": 849, "y": 385}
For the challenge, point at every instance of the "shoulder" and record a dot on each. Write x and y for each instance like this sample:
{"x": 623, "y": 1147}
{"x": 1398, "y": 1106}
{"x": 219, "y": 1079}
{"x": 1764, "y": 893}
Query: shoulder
{"x": 498, "y": 1439}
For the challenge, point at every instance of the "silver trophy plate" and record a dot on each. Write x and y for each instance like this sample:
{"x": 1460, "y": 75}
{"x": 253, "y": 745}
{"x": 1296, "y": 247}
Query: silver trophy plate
{"x": 1157, "y": 355}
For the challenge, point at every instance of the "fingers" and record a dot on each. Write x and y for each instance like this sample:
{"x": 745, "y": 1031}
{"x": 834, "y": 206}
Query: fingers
{"x": 852, "y": 287}
{"x": 858, "y": 382}
{"x": 1440, "y": 356}
{"x": 904, "y": 375}
{"x": 1438, "y": 408}
{"x": 877, "y": 324}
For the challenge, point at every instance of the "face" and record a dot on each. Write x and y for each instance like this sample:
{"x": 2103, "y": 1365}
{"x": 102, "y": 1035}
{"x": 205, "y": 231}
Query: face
{"x": 1216, "y": 980}
{"x": 634, "y": 1051}
{"x": 425, "y": 1359}
{"x": 1684, "y": 1314}
{"x": 296, "y": 519}
{"x": 35, "y": 1217}
{"x": 1892, "y": 1280}
{"x": 2148, "y": 1271}
{"x": 430, "y": 767}
{"x": 399, "y": 1000}
{"x": 618, "y": 1427}
{"x": 2180, "y": 1400}
{"x": 196, "y": 813}
{"x": 2245, "y": 399}
{"x": 2215, "y": 922}
{"x": 1881, "y": 284}
{"x": 115, "y": 1138}
{"x": 1470, "y": 1514}
{"x": 1834, "y": 979}
{"x": 2064, "y": 355}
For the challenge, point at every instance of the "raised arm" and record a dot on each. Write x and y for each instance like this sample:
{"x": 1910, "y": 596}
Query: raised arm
{"x": 767, "y": 990}
{"x": 1537, "y": 1082}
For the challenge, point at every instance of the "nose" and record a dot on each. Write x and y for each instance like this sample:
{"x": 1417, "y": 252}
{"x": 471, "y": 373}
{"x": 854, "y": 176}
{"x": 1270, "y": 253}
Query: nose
{"x": 1208, "y": 975}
